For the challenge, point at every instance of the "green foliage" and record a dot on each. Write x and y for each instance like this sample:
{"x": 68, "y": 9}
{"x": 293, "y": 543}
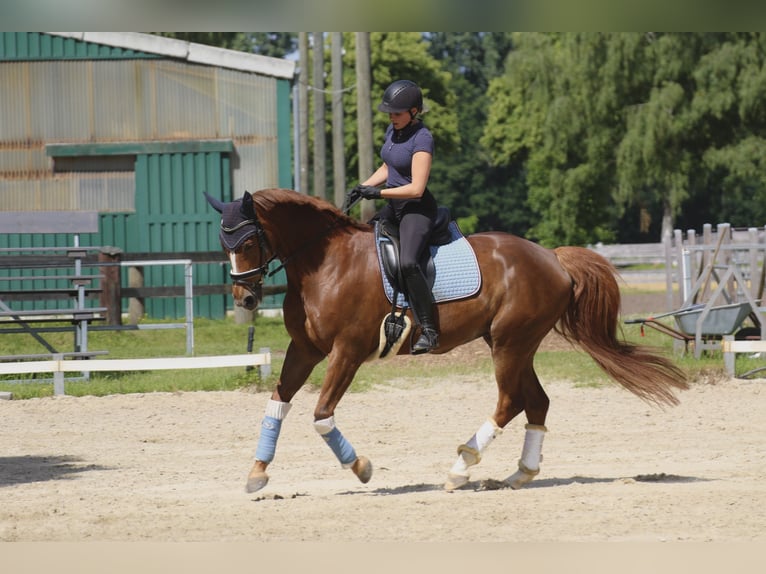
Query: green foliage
{"x": 669, "y": 123}
{"x": 571, "y": 138}
{"x": 463, "y": 178}
{"x": 397, "y": 55}
{"x": 468, "y": 224}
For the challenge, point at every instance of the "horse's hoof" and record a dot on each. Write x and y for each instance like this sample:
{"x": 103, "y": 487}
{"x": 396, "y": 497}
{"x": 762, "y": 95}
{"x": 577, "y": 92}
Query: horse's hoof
{"x": 455, "y": 481}
{"x": 256, "y": 481}
{"x": 362, "y": 468}
{"x": 519, "y": 479}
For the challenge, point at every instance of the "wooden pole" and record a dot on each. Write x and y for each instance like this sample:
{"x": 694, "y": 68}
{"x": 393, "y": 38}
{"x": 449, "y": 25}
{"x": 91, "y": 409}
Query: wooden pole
{"x": 364, "y": 115}
{"x": 109, "y": 296}
{"x": 338, "y": 151}
{"x": 303, "y": 111}
{"x": 136, "y": 308}
{"x": 320, "y": 145}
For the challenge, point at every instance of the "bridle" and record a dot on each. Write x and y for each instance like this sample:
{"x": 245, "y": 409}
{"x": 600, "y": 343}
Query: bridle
{"x": 245, "y": 278}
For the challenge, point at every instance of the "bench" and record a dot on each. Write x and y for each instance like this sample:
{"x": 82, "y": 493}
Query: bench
{"x": 28, "y": 261}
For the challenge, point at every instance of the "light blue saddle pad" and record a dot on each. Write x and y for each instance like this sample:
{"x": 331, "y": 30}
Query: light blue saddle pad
{"x": 457, "y": 272}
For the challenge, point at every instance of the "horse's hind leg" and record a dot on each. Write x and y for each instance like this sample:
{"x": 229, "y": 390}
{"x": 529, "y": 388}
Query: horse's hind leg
{"x": 508, "y": 406}
{"x": 531, "y": 457}
{"x": 536, "y": 403}
{"x": 518, "y": 390}
{"x": 469, "y": 454}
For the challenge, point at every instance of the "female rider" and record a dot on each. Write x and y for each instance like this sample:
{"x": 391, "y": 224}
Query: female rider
{"x": 407, "y": 153}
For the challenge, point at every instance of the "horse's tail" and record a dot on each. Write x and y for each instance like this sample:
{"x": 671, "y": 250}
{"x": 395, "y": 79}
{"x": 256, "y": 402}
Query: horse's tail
{"x": 592, "y": 321}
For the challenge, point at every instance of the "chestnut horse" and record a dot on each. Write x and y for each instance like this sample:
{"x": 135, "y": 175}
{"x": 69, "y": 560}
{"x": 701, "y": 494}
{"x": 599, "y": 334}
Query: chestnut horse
{"x": 335, "y": 303}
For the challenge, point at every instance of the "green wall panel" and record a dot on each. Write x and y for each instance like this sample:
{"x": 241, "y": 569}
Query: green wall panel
{"x": 25, "y": 46}
{"x": 173, "y": 215}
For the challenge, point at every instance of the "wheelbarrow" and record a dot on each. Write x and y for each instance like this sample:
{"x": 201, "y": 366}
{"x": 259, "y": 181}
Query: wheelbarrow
{"x": 699, "y": 322}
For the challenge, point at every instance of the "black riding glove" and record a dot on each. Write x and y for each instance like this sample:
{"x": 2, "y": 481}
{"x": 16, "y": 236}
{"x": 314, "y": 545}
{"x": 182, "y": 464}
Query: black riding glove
{"x": 368, "y": 191}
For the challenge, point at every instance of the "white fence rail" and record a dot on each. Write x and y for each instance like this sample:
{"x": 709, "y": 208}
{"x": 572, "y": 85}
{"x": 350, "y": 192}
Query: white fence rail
{"x": 59, "y": 366}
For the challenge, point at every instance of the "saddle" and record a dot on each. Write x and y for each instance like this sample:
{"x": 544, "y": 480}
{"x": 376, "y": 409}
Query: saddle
{"x": 387, "y": 238}
{"x": 449, "y": 264}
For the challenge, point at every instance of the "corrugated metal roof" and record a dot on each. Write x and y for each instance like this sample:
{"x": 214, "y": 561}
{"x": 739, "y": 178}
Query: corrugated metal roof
{"x": 116, "y": 105}
{"x": 189, "y": 51}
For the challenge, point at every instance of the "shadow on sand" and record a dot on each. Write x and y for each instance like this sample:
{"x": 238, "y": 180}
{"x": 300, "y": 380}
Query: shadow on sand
{"x": 41, "y": 468}
{"x": 491, "y": 484}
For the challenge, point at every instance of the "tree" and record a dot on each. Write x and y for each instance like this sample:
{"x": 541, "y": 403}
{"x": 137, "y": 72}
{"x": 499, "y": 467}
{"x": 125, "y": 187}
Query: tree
{"x": 550, "y": 112}
{"x": 608, "y": 125}
{"x": 572, "y": 137}
{"x": 392, "y": 56}
{"x": 463, "y": 179}
{"x": 732, "y": 116}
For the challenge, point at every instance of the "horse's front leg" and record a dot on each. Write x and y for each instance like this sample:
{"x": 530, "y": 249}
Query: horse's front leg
{"x": 340, "y": 372}
{"x": 297, "y": 367}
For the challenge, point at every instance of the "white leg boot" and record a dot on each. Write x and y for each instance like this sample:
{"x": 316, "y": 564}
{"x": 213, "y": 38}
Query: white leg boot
{"x": 531, "y": 456}
{"x": 469, "y": 454}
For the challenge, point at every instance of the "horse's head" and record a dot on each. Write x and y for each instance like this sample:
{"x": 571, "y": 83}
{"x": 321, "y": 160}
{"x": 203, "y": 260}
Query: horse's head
{"x": 244, "y": 241}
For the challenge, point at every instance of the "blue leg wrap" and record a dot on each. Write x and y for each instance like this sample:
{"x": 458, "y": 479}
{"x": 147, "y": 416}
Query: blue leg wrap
{"x": 267, "y": 443}
{"x": 340, "y": 446}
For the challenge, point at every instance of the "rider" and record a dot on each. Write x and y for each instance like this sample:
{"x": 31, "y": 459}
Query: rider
{"x": 407, "y": 154}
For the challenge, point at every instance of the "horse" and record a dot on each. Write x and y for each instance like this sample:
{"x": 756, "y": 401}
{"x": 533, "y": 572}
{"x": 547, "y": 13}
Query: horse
{"x": 334, "y": 304}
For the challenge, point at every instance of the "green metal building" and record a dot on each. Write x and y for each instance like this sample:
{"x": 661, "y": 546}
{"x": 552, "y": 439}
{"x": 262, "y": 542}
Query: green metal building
{"x": 136, "y": 127}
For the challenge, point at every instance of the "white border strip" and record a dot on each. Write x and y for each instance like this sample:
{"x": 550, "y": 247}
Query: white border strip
{"x": 743, "y": 346}
{"x": 730, "y": 347}
{"x": 155, "y": 364}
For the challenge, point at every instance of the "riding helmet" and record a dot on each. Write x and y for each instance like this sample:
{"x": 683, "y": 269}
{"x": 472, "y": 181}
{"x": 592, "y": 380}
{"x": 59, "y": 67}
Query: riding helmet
{"x": 400, "y": 96}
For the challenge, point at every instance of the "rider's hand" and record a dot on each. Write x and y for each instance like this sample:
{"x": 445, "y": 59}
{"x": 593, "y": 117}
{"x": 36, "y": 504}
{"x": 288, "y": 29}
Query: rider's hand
{"x": 368, "y": 191}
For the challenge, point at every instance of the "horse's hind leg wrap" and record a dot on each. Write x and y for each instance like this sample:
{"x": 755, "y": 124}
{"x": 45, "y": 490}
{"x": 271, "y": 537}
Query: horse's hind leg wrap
{"x": 469, "y": 453}
{"x": 271, "y": 426}
{"x": 531, "y": 455}
{"x": 336, "y": 441}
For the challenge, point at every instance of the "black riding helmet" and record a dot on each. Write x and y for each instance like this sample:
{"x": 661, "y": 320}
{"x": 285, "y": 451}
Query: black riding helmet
{"x": 400, "y": 96}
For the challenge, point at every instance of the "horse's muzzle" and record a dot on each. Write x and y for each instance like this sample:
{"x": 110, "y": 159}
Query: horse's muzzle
{"x": 246, "y": 295}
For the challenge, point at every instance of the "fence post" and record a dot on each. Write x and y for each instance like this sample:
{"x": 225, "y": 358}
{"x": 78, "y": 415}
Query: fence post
{"x": 58, "y": 377}
{"x": 265, "y": 370}
{"x": 136, "y": 304}
{"x": 110, "y": 284}
{"x": 667, "y": 243}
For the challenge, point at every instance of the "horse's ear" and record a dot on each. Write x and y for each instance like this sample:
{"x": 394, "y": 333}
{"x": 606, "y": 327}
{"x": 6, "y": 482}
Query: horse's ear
{"x": 217, "y": 204}
{"x": 248, "y": 209}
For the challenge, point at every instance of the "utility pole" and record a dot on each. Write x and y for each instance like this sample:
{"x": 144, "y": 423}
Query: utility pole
{"x": 338, "y": 151}
{"x": 303, "y": 111}
{"x": 364, "y": 119}
{"x": 320, "y": 145}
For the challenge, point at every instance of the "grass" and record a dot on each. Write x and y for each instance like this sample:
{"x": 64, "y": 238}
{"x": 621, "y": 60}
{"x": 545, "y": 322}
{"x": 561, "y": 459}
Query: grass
{"x": 210, "y": 338}
{"x": 225, "y": 337}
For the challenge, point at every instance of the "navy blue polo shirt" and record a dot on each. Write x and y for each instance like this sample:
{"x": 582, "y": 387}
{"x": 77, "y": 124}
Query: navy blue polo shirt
{"x": 397, "y": 151}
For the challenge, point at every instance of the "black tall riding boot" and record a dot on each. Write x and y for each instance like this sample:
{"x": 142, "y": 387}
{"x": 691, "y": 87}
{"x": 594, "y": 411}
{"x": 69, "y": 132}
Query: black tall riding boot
{"x": 421, "y": 301}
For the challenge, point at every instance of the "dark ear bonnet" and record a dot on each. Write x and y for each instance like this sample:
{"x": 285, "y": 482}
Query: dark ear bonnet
{"x": 238, "y": 220}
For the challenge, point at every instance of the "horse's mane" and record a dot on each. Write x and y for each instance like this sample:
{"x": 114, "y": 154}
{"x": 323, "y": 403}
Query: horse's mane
{"x": 305, "y": 210}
